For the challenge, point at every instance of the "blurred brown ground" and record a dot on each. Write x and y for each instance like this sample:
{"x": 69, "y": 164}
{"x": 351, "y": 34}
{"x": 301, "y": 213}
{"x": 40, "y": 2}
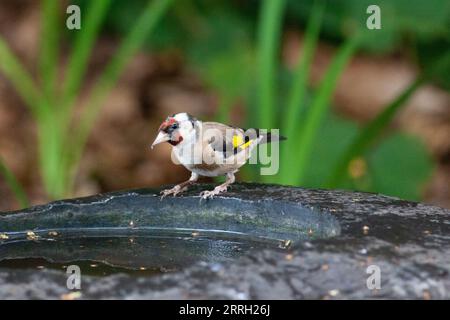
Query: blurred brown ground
{"x": 154, "y": 86}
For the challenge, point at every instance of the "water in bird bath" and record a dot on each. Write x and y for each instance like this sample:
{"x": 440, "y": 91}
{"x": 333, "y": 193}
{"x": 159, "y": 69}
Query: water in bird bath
{"x": 137, "y": 251}
{"x": 139, "y": 234}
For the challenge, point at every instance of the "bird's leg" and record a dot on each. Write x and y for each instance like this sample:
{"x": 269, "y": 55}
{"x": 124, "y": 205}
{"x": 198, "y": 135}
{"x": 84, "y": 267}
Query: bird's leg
{"x": 220, "y": 188}
{"x": 179, "y": 188}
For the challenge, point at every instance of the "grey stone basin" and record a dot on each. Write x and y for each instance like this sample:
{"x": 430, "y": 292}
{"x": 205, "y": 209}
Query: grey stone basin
{"x": 257, "y": 241}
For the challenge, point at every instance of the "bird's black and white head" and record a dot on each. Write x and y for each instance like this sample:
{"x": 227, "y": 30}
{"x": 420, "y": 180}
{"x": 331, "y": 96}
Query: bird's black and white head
{"x": 176, "y": 129}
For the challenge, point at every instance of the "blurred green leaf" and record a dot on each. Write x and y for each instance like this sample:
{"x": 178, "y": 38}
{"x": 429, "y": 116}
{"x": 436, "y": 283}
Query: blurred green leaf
{"x": 295, "y": 111}
{"x": 400, "y": 167}
{"x": 224, "y": 57}
{"x": 435, "y": 61}
{"x": 369, "y": 133}
{"x": 400, "y": 19}
{"x": 49, "y": 53}
{"x": 230, "y": 74}
{"x": 319, "y": 109}
{"x": 81, "y": 49}
{"x": 268, "y": 42}
{"x": 335, "y": 134}
{"x": 14, "y": 71}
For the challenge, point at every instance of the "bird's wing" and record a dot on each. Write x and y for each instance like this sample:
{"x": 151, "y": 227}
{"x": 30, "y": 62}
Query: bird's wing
{"x": 226, "y": 140}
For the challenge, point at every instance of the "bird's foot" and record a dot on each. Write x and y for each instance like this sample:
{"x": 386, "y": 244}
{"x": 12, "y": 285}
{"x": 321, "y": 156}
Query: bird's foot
{"x": 174, "y": 191}
{"x": 207, "y": 194}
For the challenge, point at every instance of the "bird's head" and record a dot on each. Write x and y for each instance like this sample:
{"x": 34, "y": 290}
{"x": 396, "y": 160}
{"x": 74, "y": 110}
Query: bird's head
{"x": 175, "y": 129}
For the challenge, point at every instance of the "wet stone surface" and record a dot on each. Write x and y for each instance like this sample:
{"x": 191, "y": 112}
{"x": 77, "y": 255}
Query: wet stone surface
{"x": 335, "y": 237}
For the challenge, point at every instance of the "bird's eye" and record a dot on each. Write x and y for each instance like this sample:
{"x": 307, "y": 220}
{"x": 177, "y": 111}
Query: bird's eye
{"x": 174, "y": 126}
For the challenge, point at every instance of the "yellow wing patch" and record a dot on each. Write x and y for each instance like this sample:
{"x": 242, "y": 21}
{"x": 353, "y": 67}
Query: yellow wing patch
{"x": 238, "y": 141}
{"x": 245, "y": 145}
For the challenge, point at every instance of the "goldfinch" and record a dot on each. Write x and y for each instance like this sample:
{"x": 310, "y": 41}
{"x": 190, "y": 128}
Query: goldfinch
{"x": 208, "y": 149}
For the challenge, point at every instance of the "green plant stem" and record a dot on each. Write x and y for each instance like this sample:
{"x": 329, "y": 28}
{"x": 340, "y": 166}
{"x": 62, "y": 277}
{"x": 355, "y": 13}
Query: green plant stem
{"x": 134, "y": 40}
{"x": 84, "y": 42}
{"x": 270, "y": 21}
{"x": 300, "y": 81}
{"x": 76, "y": 69}
{"x": 293, "y": 113}
{"x": 370, "y": 132}
{"x": 318, "y": 110}
{"x": 50, "y": 137}
{"x": 41, "y": 111}
{"x": 50, "y": 134}
{"x": 14, "y": 185}
{"x": 48, "y": 59}
{"x": 20, "y": 78}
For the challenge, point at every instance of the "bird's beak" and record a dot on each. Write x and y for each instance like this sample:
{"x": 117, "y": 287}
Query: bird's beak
{"x": 162, "y": 137}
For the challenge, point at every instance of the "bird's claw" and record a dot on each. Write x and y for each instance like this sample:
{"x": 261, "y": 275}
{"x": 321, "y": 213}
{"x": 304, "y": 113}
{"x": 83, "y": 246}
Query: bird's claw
{"x": 209, "y": 194}
{"x": 174, "y": 191}
{"x": 205, "y": 194}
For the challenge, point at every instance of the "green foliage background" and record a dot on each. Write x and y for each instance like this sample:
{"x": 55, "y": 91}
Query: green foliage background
{"x": 235, "y": 47}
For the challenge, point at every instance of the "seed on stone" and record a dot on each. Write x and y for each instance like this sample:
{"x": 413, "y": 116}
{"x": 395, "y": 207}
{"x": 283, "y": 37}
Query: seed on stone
{"x": 195, "y": 234}
{"x": 366, "y": 229}
{"x": 31, "y": 235}
{"x": 333, "y": 292}
{"x": 53, "y": 233}
{"x": 285, "y": 244}
{"x": 4, "y": 236}
{"x": 289, "y": 257}
{"x": 71, "y": 296}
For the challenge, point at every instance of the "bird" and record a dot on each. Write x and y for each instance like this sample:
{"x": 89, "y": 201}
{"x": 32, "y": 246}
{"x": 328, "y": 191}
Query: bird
{"x": 208, "y": 149}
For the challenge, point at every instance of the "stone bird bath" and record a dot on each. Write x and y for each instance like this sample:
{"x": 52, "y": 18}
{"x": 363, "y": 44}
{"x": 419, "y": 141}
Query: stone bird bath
{"x": 254, "y": 242}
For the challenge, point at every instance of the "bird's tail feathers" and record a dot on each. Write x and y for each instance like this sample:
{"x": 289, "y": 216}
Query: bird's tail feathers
{"x": 266, "y": 137}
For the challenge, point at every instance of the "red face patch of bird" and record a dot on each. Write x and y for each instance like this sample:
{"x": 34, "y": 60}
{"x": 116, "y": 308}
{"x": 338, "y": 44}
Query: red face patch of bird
{"x": 168, "y": 125}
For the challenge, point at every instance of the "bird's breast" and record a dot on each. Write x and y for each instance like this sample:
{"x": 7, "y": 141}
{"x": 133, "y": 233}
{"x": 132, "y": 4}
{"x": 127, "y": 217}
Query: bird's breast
{"x": 204, "y": 161}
